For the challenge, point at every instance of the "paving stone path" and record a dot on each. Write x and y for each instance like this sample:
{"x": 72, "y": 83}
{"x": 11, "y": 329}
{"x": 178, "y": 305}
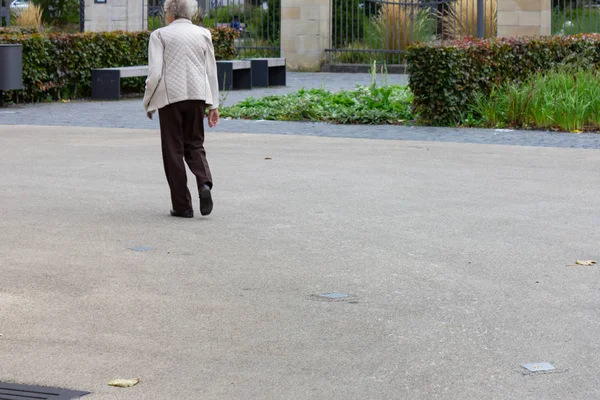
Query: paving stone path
{"x": 129, "y": 114}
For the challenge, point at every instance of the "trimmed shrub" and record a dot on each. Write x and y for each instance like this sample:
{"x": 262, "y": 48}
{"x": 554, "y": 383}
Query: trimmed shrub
{"x": 59, "y": 66}
{"x": 446, "y": 77}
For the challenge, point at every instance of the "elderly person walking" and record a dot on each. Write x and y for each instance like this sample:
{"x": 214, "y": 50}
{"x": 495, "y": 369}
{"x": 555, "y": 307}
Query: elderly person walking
{"x": 182, "y": 85}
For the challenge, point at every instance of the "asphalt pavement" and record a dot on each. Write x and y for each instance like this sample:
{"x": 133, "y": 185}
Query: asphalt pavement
{"x": 457, "y": 259}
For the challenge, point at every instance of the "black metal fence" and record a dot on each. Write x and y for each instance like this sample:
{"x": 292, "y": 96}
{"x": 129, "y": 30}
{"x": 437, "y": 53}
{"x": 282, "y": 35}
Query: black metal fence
{"x": 156, "y": 16}
{"x": 258, "y": 22}
{"x": 364, "y": 31}
{"x": 5, "y": 12}
{"x": 575, "y": 16}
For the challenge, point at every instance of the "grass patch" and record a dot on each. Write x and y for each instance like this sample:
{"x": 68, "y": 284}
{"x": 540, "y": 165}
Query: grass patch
{"x": 364, "y": 105}
{"x": 563, "y": 100}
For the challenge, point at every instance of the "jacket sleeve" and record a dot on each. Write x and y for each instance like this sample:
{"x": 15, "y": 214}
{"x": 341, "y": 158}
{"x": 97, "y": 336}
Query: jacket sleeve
{"x": 155, "y": 67}
{"x": 211, "y": 74}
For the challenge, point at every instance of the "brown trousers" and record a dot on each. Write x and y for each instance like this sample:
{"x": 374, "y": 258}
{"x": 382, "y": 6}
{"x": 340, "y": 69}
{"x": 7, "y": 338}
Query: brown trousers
{"x": 182, "y": 137}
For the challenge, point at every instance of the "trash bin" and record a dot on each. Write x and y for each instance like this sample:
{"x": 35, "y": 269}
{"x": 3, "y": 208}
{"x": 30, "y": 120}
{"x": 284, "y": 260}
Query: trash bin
{"x": 11, "y": 68}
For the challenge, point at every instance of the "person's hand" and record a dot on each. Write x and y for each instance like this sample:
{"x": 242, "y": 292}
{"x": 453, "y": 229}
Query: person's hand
{"x": 213, "y": 117}
{"x": 149, "y": 114}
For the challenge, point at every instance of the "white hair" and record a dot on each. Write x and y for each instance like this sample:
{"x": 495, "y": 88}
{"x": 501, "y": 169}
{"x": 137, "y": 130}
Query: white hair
{"x": 181, "y": 8}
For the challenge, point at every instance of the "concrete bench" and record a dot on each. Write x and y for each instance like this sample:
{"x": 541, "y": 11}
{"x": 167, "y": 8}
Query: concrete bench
{"x": 268, "y": 72}
{"x": 234, "y": 74}
{"x": 106, "y": 82}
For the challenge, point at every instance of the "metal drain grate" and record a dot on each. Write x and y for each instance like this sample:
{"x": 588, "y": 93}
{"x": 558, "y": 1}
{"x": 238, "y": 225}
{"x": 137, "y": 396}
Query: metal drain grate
{"x": 10, "y": 391}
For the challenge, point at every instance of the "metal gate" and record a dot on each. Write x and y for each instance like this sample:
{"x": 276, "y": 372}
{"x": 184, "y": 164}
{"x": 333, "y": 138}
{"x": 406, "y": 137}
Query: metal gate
{"x": 364, "y": 31}
{"x": 258, "y": 22}
{"x": 570, "y": 17}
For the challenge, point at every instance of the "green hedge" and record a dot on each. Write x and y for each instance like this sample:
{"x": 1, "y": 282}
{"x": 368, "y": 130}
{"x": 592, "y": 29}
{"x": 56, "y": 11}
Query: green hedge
{"x": 446, "y": 77}
{"x": 59, "y": 66}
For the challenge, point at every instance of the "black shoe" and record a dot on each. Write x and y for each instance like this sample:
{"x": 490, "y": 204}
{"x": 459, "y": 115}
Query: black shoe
{"x": 206, "y": 203}
{"x": 187, "y": 214}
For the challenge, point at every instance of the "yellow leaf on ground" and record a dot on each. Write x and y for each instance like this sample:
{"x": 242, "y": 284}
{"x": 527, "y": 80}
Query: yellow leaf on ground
{"x": 585, "y": 262}
{"x": 577, "y": 131}
{"x": 124, "y": 382}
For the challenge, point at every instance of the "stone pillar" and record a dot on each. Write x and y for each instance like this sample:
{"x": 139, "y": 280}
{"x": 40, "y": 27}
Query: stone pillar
{"x": 524, "y": 17}
{"x": 305, "y": 33}
{"x": 116, "y": 15}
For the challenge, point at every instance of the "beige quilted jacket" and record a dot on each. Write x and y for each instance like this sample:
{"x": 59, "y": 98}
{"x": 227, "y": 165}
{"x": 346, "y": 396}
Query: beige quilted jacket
{"x": 181, "y": 66}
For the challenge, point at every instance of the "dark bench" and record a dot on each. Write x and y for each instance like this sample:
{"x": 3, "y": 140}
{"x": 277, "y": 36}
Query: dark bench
{"x": 234, "y": 74}
{"x": 268, "y": 72}
{"x": 106, "y": 82}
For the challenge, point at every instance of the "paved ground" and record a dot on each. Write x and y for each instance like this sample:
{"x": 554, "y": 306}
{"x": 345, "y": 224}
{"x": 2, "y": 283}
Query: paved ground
{"x": 129, "y": 114}
{"x": 457, "y": 254}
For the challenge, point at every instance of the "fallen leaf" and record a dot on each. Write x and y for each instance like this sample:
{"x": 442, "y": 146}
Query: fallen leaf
{"x": 577, "y": 131}
{"x": 585, "y": 262}
{"x": 268, "y": 158}
{"x": 124, "y": 382}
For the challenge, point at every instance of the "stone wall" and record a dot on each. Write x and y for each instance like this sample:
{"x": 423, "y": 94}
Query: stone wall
{"x": 125, "y": 15}
{"x": 524, "y": 17}
{"x": 305, "y": 33}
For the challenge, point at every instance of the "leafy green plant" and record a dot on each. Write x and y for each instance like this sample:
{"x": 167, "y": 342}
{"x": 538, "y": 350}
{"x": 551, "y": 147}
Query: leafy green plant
{"x": 446, "y": 77}
{"x": 224, "y": 43}
{"x": 155, "y": 22}
{"x": 364, "y": 105}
